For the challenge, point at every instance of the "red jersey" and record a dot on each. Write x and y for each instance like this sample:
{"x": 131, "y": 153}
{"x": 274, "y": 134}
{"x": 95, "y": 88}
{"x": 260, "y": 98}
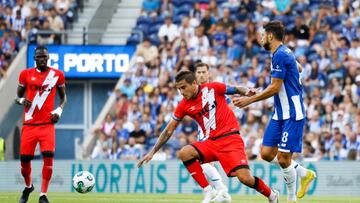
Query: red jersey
{"x": 210, "y": 110}
{"x": 41, "y": 91}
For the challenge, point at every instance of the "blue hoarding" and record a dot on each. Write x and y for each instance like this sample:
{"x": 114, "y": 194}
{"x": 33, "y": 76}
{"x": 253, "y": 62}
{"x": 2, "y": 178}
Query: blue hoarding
{"x": 88, "y": 61}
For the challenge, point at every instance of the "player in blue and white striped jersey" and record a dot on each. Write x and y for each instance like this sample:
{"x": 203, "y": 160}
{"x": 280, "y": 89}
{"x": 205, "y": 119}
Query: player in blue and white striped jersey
{"x": 283, "y": 135}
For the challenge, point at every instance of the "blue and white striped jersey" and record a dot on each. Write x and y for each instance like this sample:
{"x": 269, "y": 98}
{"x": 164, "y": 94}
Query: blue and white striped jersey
{"x": 289, "y": 101}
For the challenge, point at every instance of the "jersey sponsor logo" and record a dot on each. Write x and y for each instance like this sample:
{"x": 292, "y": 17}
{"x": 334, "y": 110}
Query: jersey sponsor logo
{"x": 209, "y": 108}
{"x": 276, "y": 69}
{"x": 39, "y": 100}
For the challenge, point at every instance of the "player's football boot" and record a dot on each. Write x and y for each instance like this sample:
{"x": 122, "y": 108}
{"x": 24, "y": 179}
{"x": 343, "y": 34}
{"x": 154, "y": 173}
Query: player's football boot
{"x": 25, "y": 194}
{"x": 43, "y": 199}
{"x": 276, "y": 198}
{"x": 222, "y": 196}
{"x": 210, "y": 193}
{"x": 305, "y": 182}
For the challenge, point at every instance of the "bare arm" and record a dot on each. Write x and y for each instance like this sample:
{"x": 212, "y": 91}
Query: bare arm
{"x": 163, "y": 138}
{"x": 20, "y": 97}
{"x": 270, "y": 91}
{"x": 63, "y": 97}
{"x": 165, "y": 135}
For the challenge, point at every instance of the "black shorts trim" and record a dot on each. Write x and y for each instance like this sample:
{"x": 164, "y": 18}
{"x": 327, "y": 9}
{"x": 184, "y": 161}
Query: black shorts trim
{"x": 225, "y": 135}
{"x": 200, "y": 154}
{"x": 237, "y": 168}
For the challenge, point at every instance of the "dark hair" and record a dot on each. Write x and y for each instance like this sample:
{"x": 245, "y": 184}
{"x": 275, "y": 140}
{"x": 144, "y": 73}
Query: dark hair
{"x": 276, "y": 28}
{"x": 200, "y": 64}
{"x": 42, "y": 48}
{"x": 186, "y": 75}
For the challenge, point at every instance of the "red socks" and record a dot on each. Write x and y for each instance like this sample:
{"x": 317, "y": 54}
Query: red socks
{"x": 26, "y": 172}
{"x": 261, "y": 187}
{"x": 46, "y": 173}
{"x": 194, "y": 168}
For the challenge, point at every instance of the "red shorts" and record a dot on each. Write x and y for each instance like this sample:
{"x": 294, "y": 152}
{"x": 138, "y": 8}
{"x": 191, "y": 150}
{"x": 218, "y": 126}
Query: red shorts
{"x": 31, "y": 135}
{"x": 228, "y": 150}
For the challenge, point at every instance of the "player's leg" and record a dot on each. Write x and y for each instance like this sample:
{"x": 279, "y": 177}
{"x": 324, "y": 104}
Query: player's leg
{"x": 215, "y": 179}
{"x": 47, "y": 147}
{"x": 269, "y": 152}
{"x": 28, "y": 143}
{"x": 192, "y": 156}
{"x": 232, "y": 157}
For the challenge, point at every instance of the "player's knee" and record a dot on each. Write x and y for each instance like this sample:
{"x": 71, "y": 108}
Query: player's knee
{"x": 26, "y": 158}
{"x": 187, "y": 152}
{"x": 48, "y": 154}
{"x": 245, "y": 178}
{"x": 267, "y": 156}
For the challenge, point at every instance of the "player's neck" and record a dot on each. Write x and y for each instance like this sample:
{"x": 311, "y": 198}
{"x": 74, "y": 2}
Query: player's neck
{"x": 275, "y": 46}
{"x": 196, "y": 91}
{"x": 42, "y": 69}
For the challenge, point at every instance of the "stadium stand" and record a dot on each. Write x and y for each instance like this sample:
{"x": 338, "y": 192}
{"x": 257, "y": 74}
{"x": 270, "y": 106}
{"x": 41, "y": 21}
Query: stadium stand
{"x": 32, "y": 22}
{"x": 324, "y": 36}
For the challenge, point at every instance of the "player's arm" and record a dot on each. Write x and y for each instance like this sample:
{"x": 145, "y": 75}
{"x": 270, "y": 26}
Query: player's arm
{"x": 20, "y": 99}
{"x": 163, "y": 138}
{"x": 270, "y": 91}
{"x": 244, "y": 91}
{"x": 56, "y": 114}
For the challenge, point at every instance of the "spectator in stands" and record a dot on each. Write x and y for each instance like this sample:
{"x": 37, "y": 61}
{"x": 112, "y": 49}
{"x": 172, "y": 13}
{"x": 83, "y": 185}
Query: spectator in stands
{"x": 62, "y": 8}
{"x": 166, "y": 8}
{"x": 101, "y": 148}
{"x": 301, "y": 32}
{"x": 115, "y": 152}
{"x": 7, "y": 45}
{"x": 24, "y": 8}
{"x": 46, "y": 35}
{"x": 107, "y": 126}
{"x": 148, "y": 51}
{"x": 128, "y": 88}
{"x": 208, "y": 22}
{"x": 132, "y": 151}
{"x": 56, "y": 24}
{"x": 227, "y": 23}
{"x": 149, "y": 6}
{"x": 185, "y": 29}
{"x": 17, "y": 22}
{"x": 138, "y": 133}
{"x": 189, "y": 128}
{"x": 3, "y": 66}
{"x": 199, "y": 43}
{"x": 169, "y": 31}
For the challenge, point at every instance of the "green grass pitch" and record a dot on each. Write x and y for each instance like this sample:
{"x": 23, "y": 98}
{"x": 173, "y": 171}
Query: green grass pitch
{"x": 11, "y": 197}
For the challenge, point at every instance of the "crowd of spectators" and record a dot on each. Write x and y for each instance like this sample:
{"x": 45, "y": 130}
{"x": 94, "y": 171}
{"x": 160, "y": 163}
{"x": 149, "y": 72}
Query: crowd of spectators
{"x": 32, "y": 21}
{"x": 324, "y": 35}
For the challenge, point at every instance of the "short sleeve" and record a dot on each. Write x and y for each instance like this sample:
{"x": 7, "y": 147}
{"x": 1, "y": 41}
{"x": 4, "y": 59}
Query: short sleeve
{"x": 220, "y": 88}
{"x": 61, "y": 80}
{"x": 179, "y": 113}
{"x": 22, "y": 78}
{"x": 279, "y": 66}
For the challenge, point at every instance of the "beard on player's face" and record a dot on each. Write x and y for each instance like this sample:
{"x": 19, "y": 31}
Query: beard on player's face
{"x": 41, "y": 64}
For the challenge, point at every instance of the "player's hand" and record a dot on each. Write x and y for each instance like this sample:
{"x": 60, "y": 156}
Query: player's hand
{"x": 251, "y": 92}
{"x": 55, "y": 115}
{"x": 241, "y": 102}
{"x": 27, "y": 103}
{"x": 54, "y": 118}
{"x": 145, "y": 159}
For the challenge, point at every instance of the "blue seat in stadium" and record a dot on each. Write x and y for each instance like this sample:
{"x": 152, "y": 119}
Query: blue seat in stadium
{"x": 154, "y": 29}
{"x": 155, "y": 39}
{"x": 159, "y": 20}
{"x": 189, "y": 3}
{"x": 234, "y": 10}
{"x": 134, "y": 39}
{"x": 337, "y": 28}
{"x": 313, "y": 57}
{"x": 144, "y": 28}
{"x": 143, "y": 20}
{"x": 177, "y": 19}
{"x": 239, "y": 39}
{"x": 184, "y": 10}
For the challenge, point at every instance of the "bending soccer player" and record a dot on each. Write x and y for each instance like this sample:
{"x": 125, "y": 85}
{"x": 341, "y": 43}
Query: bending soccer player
{"x": 207, "y": 105}
{"x": 283, "y": 136}
{"x": 36, "y": 91}
{"x": 212, "y": 174}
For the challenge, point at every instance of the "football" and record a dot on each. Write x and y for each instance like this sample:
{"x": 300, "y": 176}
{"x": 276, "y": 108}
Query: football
{"x": 83, "y": 182}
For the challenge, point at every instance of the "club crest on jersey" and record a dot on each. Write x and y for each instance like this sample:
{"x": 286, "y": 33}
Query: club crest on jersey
{"x": 41, "y": 96}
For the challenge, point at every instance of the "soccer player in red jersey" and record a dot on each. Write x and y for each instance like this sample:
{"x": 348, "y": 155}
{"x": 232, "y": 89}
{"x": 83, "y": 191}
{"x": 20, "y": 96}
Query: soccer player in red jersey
{"x": 36, "y": 91}
{"x": 206, "y": 104}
